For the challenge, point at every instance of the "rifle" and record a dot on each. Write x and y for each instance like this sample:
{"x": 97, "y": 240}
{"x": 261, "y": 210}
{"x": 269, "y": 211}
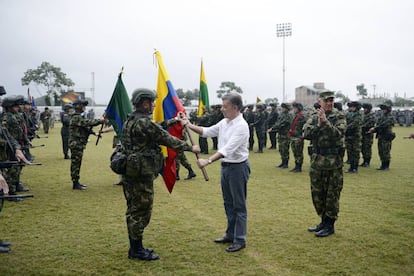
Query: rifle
{"x": 16, "y": 196}
{"x": 10, "y": 164}
{"x": 408, "y": 137}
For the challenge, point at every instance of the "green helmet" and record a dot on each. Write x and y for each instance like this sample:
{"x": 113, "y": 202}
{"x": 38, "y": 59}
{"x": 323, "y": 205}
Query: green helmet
{"x": 142, "y": 93}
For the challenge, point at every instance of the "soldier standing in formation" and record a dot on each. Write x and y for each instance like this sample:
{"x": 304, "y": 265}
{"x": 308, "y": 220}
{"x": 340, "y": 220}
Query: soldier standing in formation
{"x": 142, "y": 138}
{"x": 384, "y": 135}
{"x": 260, "y": 126}
{"x": 282, "y": 127}
{"x": 326, "y": 128}
{"x": 248, "y": 115}
{"x": 296, "y": 137}
{"x": 64, "y": 132}
{"x": 353, "y": 135}
{"x": 215, "y": 117}
{"x": 271, "y": 120}
{"x": 368, "y": 122}
{"x": 45, "y": 118}
{"x": 79, "y": 131}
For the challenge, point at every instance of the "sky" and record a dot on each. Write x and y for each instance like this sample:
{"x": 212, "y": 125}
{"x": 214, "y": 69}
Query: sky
{"x": 342, "y": 43}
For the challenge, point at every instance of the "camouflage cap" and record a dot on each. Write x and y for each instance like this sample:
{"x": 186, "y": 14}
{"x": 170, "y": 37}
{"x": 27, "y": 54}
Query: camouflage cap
{"x": 338, "y": 105}
{"x": 20, "y": 99}
{"x": 67, "y": 106}
{"x": 260, "y": 106}
{"x": 250, "y": 106}
{"x": 385, "y": 106}
{"x": 2, "y": 91}
{"x": 326, "y": 95}
{"x": 273, "y": 104}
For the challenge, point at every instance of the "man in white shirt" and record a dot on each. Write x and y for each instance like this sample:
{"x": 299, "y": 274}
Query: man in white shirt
{"x": 233, "y": 136}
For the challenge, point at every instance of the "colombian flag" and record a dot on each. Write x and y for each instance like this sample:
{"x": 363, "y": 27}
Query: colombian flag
{"x": 167, "y": 105}
{"x": 203, "y": 100}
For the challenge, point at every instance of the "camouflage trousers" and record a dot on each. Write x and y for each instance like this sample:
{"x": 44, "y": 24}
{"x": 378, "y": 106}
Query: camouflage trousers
{"x": 272, "y": 138}
{"x": 326, "y": 187}
{"x": 297, "y": 148}
{"x": 12, "y": 176}
{"x": 261, "y": 138}
{"x": 65, "y": 144}
{"x": 366, "y": 147}
{"x": 76, "y": 151}
{"x": 139, "y": 196}
{"x": 182, "y": 159}
{"x": 251, "y": 138}
{"x": 284, "y": 147}
{"x": 384, "y": 150}
{"x": 353, "y": 149}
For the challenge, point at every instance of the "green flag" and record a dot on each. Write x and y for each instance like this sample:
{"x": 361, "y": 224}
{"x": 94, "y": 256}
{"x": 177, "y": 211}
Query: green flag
{"x": 203, "y": 100}
{"x": 119, "y": 107}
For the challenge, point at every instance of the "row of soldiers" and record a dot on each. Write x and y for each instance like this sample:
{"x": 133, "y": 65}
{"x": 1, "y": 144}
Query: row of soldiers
{"x": 19, "y": 124}
{"x": 286, "y": 128}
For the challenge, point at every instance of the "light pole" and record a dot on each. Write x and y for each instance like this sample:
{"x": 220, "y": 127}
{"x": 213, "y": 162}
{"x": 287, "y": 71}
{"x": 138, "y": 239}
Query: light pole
{"x": 283, "y": 30}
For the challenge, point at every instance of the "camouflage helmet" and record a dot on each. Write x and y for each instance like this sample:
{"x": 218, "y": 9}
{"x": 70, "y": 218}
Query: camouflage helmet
{"x": 142, "y": 93}
{"x": 285, "y": 105}
{"x": 299, "y": 106}
{"x": 367, "y": 106}
{"x": 386, "y": 106}
{"x": 260, "y": 106}
{"x": 67, "y": 106}
{"x": 338, "y": 106}
{"x": 9, "y": 101}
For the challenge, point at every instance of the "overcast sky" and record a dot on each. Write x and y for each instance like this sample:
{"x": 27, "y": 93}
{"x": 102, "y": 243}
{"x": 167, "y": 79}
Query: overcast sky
{"x": 342, "y": 43}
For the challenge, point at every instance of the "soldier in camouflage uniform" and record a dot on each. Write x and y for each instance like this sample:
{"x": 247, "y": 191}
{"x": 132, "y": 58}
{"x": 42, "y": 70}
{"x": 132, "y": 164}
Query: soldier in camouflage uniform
{"x": 325, "y": 128}
{"x": 79, "y": 131}
{"x": 248, "y": 115}
{"x": 64, "y": 131}
{"x": 282, "y": 127}
{"x": 296, "y": 138}
{"x": 384, "y": 135}
{"x": 353, "y": 135}
{"x": 216, "y": 116}
{"x": 271, "y": 120}
{"x": 142, "y": 138}
{"x": 45, "y": 118}
{"x": 260, "y": 126}
{"x": 368, "y": 121}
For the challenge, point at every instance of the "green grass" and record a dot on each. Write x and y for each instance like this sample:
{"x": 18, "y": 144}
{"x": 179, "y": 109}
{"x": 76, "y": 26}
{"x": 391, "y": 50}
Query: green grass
{"x": 66, "y": 232}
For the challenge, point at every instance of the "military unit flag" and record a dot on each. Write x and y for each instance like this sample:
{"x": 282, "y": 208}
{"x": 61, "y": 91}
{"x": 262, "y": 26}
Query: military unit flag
{"x": 203, "y": 102}
{"x": 118, "y": 107}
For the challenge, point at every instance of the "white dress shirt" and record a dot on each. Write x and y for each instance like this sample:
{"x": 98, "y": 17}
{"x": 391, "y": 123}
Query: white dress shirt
{"x": 233, "y": 136}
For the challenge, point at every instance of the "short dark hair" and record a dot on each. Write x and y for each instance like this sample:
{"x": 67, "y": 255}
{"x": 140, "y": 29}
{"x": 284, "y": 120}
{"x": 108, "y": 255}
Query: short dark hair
{"x": 234, "y": 99}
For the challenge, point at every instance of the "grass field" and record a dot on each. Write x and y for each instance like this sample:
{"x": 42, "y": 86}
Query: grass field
{"x": 66, "y": 232}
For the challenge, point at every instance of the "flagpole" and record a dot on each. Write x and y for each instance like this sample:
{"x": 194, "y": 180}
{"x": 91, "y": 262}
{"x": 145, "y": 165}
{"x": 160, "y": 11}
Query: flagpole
{"x": 203, "y": 170}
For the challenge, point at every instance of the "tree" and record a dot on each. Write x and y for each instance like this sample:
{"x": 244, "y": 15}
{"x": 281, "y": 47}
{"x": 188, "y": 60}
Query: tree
{"x": 51, "y": 77}
{"x": 188, "y": 96}
{"x": 227, "y": 87}
{"x": 342, "y": 97}
{"x": 362, "y": 91}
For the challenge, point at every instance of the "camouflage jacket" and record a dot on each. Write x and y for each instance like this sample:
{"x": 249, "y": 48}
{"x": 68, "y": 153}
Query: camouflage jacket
{"x": 12, "y": 122}
{"x": 283, "y": 123}
{"x": 384, "y": 125}
{"x": 8, "y": 145}
{"x": 142, "y": 135}
{"x": 368, "y": 121}
{"x": 297, "y": 131}
{"x": 260, "y": 121}
{"x": 80, "y": 128}
{"x": 272, "y": 118}
{"x": 326, "y": 140}
{"x": 353, "y": 124}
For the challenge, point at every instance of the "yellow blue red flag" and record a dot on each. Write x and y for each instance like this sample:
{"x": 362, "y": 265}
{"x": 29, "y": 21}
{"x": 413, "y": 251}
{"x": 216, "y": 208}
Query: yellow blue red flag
{"x": 167, "y": 105}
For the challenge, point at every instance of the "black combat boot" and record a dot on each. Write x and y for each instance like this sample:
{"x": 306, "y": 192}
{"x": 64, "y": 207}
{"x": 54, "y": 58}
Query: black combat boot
{"x": 387, "y": 165}
{"x": 20, "y": 188}
{"x": 177, "y": 174}
{"x": 137, "y": 251}
{"x": 67, "y": 156}
{"x": 191, "y": 174}
{"x": 384, "y": 166}
{"x": 284, "y": 164}
{"x": 78, "y": 186}
{"x": 365, "y": 163}
{"x": 318, "y": 227}
{"x": 328, "y": 229}
{"x": 297, "y": 168}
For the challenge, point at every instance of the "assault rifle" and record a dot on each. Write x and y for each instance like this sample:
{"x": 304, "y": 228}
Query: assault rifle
{"x": 10, "y": 164}
{"x": 15, "y": 196}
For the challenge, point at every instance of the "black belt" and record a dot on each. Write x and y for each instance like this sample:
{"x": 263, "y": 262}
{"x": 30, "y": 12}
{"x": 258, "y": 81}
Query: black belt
{"x": 226, "y": 164}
